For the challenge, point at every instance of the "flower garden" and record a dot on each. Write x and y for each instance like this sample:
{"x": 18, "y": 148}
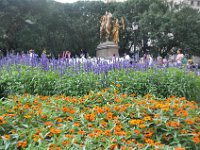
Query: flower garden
{"x": 94, "y": 104}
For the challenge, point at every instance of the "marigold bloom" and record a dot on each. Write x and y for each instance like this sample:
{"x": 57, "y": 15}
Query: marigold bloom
{"x": 189, "y": 121}
{"x": 7, "y": 136}
{"x": 142, "y": 126}
{"x": 71, "y": 130}
{"x": 149, "y": 141}
{"x": 107, "y": 132}
{"x": 135, "y": 122}
{"x": 173, "y": 124}
{"x": 117, "y": 128}
{"x": 50, "y": 124}
{"x": 183, "y": 131}
{"x": 148, "y": 118}
{"x": 118, "y": 100}
{"x": 59, "y": 119}
{"x": 27, "y": 116}
{"x": 22, "y": 144}
{"x": 2, "y": 121}
{"x": 137, "y": 131}
{"x": 109, "y": 115}
{"x": 54, "y": 147}
{"x": 64, "y": 143}
{"x": 118, "y": 85}
{"x": 11, "y": 115}
{"x": 90, "y": 117}
{"x": 55, "y": 131}
{"x": 36, "y": 137}
{"x": 91, "y": 135}
{"x": 133, "y": 95}
{"x": 103, "y": 124}
{"x": 90, "y": 125}
{"x": 77, "y": 124}
{"x": 68, "y": 118}
{"x": 179, "y": 148}
{"x": 69, "y": 136}
{"x": 156, "y": 115}
{"x": 196, "y": 139}
{"x": 81, "y": 132}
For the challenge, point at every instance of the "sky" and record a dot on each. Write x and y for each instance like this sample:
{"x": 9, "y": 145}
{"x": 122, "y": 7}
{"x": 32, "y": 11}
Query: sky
{"x": 66, "y": 1}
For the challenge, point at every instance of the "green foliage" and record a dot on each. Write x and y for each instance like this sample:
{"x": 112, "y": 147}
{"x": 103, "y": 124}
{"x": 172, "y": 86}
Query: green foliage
{"x": 162, "y": 83}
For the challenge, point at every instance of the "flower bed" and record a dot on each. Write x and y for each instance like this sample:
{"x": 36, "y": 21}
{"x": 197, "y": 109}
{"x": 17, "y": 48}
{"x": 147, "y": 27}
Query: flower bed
{"x": 99, "y": 120}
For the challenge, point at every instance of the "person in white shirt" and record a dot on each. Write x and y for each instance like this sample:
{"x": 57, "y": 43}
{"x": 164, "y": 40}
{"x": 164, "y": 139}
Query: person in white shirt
{"x": 179, "y": 57}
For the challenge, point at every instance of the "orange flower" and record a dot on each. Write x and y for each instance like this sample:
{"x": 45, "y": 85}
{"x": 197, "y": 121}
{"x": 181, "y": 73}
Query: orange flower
{"x": 90, "y": 117}
{"x": 65, "y": 142}
{"x": 117, "y": 128}
{"x": 183, "y": 98}
{"x": 103, "y": 124}
{"x": 137, "y": 131}
{"x": 27, "y": 116}
{"x": 118, "y": 85}
{"x": 149, "y": 141}
{"x": 133, "y": 95}
{"x": 90, "y": 125}
{"x": 44, "y": 116}
{"x": 54, "y": 147}
{"x": 71, "y": 130}
{"x": 55, "y": 131}
{"x": 2, "y": 121}
{"x": 173, "y": 124}
{"x": 179, "y": 148}
{"x": 69, "y": 136}
{"x": 22, "y": 144}
{"x": 36, "y": 137}
{"x": 7, "y": 136}
{"x": 118, "y": 100}
{"x": 99, "y": 110}
{"x": 120, "y": 133}
{"x": 142, "y": 126}
{"x": 124, "y": 95}
{"x": 135, "y": 122}
{"x": 91, "y": 135}
{"x": 77, "y": 124}
{"x": 189, "y": 121}
{"x": 107, "y": 132}
{"x": 184, "y": 131}
{"x": 157, "y": 115}
{"x": 148, "y": 134}
{"x": 196, "y": 139}
{"x": 59, "y": 119}
{"x": 81, "y": 132}
{"x": 11, "y": 115}
{"x": 147, "y": 118}
{"x": 109, "y": 115}
{"x": 50, "y": 124}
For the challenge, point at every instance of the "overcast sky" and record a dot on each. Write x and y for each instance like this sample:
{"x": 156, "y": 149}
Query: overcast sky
{"x": 66, "y": 1}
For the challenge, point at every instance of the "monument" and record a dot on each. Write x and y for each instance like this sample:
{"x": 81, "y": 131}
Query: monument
{"x": 109, "y": 37}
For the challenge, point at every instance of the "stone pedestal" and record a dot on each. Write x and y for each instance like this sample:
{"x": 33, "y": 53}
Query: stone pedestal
{"x": 107, "y": 50}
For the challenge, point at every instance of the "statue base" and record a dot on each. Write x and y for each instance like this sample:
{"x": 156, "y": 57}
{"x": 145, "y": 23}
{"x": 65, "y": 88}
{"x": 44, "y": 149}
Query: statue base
{"x": 107, "y": 50}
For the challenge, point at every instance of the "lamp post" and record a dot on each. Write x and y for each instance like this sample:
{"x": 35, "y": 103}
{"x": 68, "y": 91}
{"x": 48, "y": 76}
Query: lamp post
{"x": 135, "y": 28}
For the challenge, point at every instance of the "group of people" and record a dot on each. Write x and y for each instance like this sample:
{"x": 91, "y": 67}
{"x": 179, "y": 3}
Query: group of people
{"x": 179, "y": 60}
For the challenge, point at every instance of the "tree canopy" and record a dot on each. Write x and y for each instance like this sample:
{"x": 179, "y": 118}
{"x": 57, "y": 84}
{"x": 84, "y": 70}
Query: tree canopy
{"x": 56, "y": 27}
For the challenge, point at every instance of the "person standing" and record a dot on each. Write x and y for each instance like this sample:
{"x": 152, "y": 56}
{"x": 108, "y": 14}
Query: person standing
{"x": 179, "y": 57}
